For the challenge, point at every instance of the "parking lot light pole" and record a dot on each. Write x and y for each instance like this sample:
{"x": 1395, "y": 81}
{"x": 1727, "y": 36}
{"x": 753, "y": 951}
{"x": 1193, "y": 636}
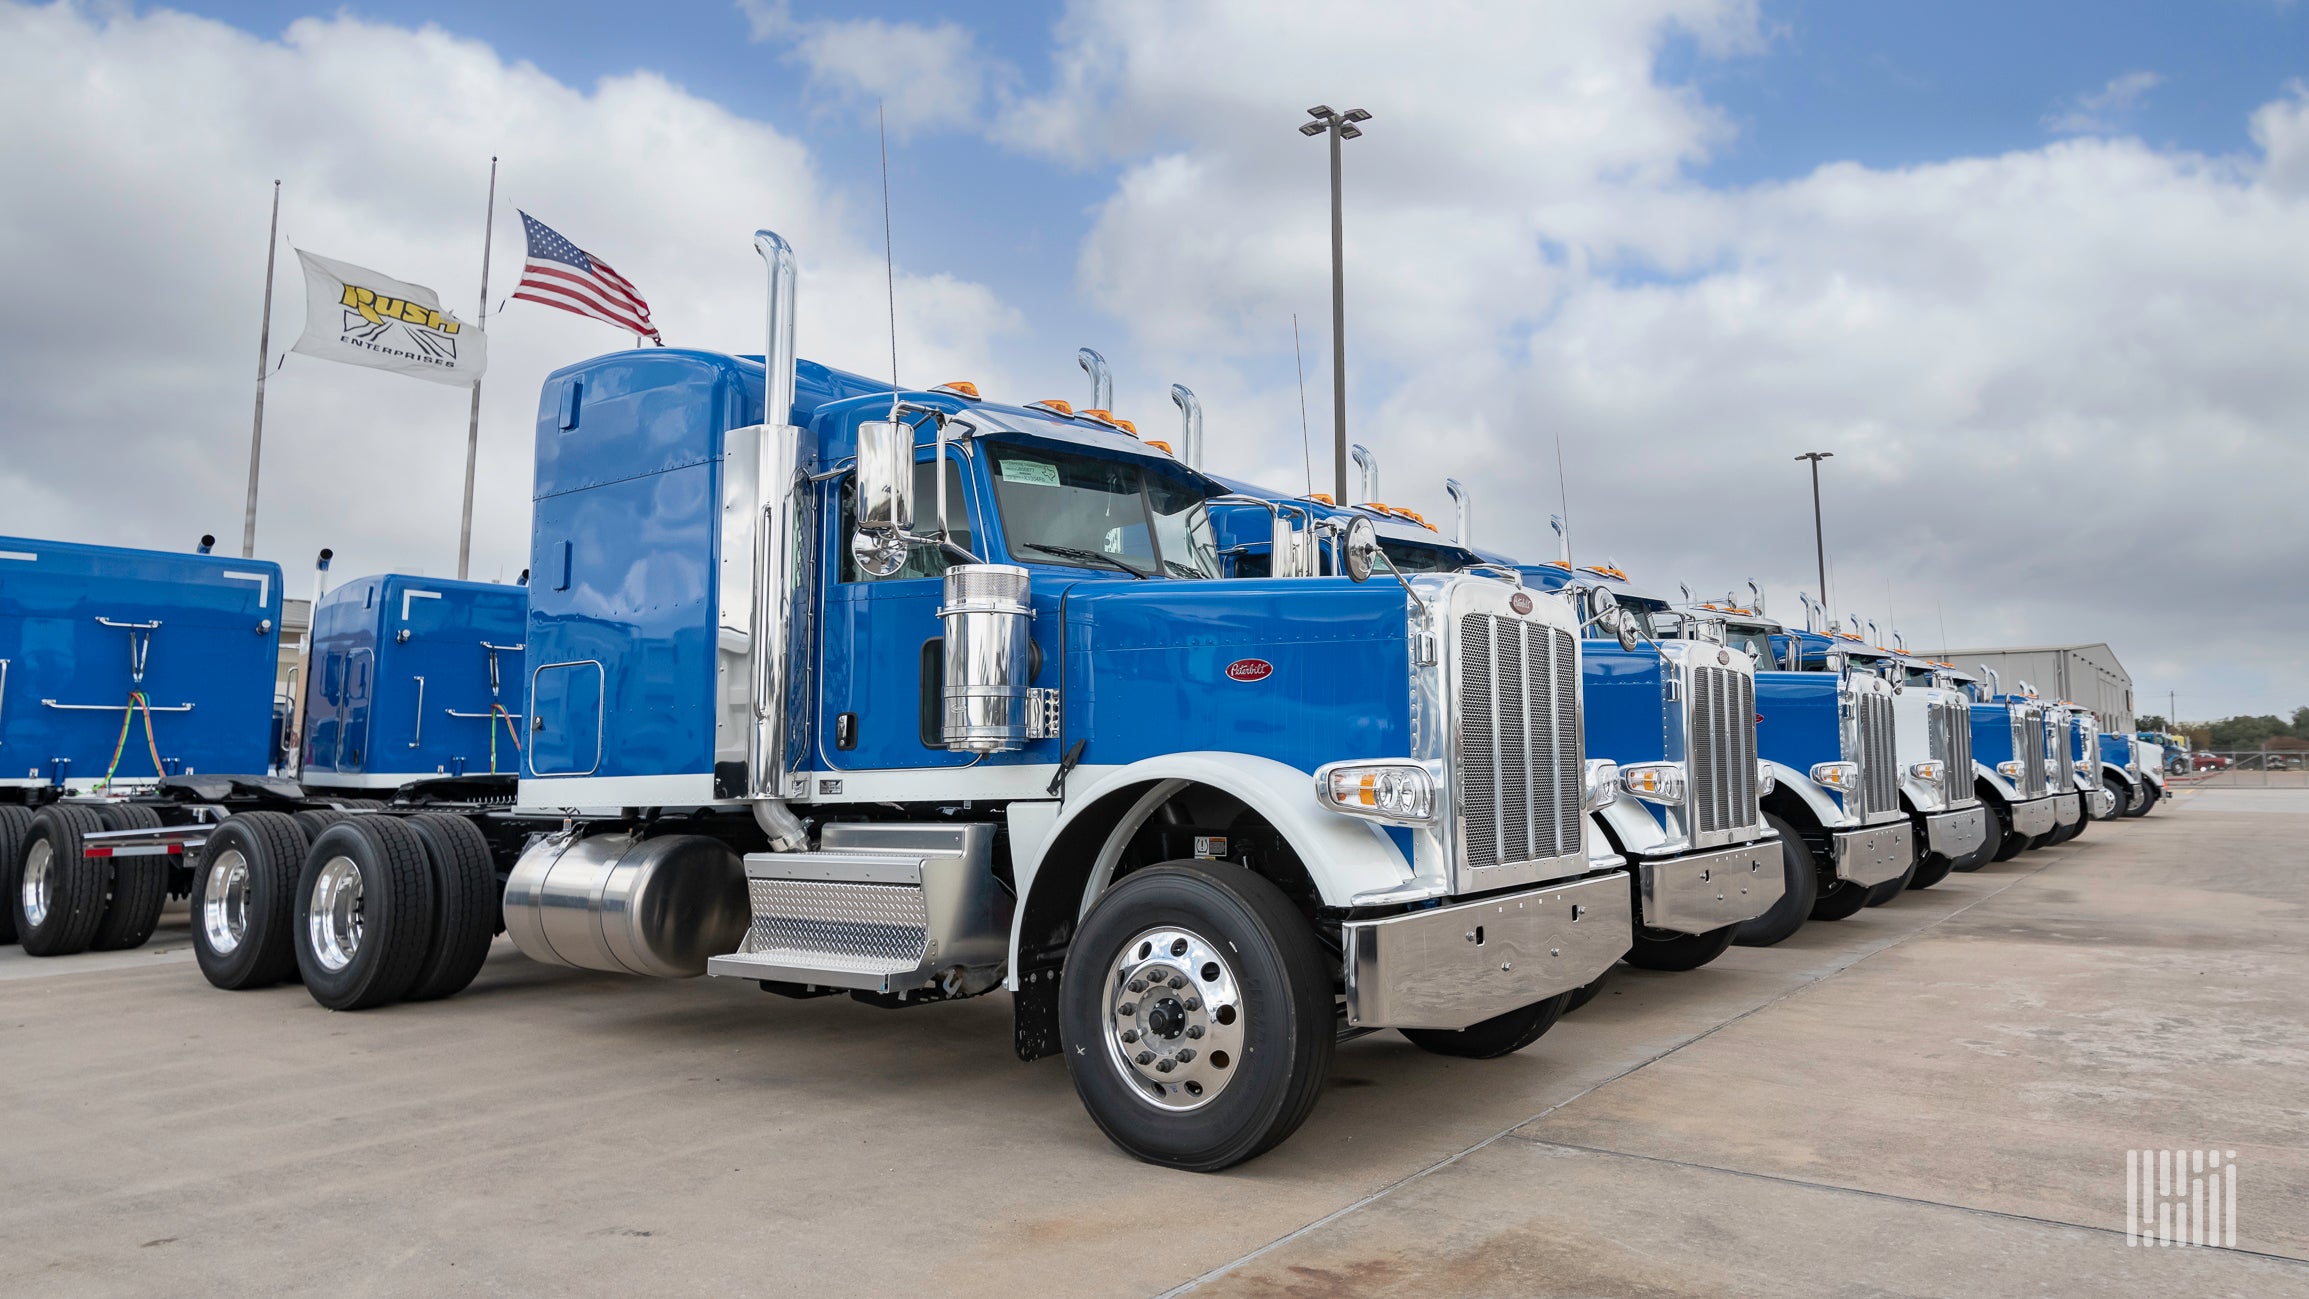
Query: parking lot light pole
{"x": 1338, "y": 126}
{"x": 1819, "y": 546}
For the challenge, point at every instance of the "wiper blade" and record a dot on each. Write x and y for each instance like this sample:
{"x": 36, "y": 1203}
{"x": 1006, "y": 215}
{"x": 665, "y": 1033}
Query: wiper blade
{"x": 1086, "y": 556}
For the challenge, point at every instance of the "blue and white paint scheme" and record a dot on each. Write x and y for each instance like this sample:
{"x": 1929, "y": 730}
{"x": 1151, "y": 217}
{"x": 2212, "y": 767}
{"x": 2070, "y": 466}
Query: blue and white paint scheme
{"x": 414, "y": 677}
{"x": 120, "y": 666}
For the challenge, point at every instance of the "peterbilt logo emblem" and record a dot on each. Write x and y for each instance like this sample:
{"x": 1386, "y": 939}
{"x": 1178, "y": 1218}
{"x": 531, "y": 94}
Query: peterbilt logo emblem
{"x": 1519, "y": 602}
{"x": 1250, "y": 670}
{"x": 1723, "y": 657}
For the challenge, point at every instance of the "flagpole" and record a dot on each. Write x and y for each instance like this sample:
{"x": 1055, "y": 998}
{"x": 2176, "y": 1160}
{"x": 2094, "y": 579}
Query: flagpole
{"x": 473, "y": 424}
{"x": 264, "y": 355}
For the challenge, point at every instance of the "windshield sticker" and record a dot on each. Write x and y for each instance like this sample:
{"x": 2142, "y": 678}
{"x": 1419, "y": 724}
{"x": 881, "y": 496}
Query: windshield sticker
{"x": 1029, "y": 471}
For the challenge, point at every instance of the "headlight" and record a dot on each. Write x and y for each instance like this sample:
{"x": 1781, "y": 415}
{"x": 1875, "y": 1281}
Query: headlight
{"x": 1766, "y": 782}
{"x": 2084, "y": 768}
{"x": 1926, "y": 771}
{"x": 1654, "y": 782}
{"x": 2008, "y": 770}
{"x": 1840, "y": 776}
{"x": 1603, "y": 784}
{"x": 1400, "y": 791}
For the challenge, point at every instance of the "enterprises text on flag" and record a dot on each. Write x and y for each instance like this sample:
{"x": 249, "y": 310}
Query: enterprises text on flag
{"x": 359, "y": 317}
{"x": 560, "y": 274}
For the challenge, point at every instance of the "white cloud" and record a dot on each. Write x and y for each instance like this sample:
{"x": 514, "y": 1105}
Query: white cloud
{"x": 132, "y": 240}
{"x": 2063, "y": 385}
{"x": 2098, "y": 112}
{"x": 925, "y": 77}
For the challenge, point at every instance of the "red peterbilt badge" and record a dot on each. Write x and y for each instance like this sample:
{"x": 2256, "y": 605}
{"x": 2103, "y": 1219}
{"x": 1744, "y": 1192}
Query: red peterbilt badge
{"x": 1250, "y": 670}
{"x": 1519, "y": 602}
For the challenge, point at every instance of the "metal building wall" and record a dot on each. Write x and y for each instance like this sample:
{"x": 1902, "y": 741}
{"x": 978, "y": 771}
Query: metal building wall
{"x": 2088, "y": 674}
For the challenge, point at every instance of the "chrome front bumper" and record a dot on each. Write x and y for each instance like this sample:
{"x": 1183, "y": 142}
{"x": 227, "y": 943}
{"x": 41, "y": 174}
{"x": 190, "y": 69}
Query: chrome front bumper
{"x": 2033, "y": 817}
{"x": 1452, "y": 966}
{"x": 1876, "y": 854}
{"x": 1954, "y": 834}
{"x": 2067, "y": 809}
{"x": 1709, "y": 890}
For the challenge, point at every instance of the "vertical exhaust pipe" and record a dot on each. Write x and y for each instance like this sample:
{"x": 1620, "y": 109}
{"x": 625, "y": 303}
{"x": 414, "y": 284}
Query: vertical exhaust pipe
{"x": 774, "y": 557}
{"x": 1369, "y": 464}
{"x": 1756, "y": 595}
{"x": 1101, "y": 378}
{"x": 1191, "y": 421}
{"x": 1463, "y": 507}
{"x": 1562, "y": 539}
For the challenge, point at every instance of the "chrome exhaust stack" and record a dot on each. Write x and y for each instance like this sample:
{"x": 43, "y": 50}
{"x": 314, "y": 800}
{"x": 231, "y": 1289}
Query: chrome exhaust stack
{"x": 1191, "y": 419}
{"x": 1464, "y": 509}
{"x": 771, "y": 586}
{"x": 1369, "y": 464}
{"x": 1101, "y": 378}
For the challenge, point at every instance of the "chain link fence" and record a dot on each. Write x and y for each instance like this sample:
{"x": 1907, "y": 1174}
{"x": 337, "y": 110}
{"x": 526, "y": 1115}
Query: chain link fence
{"x": 2242, "y": 769}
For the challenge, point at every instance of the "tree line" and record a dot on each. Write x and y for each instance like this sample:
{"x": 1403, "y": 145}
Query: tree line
{"x": 2243, "y": 732}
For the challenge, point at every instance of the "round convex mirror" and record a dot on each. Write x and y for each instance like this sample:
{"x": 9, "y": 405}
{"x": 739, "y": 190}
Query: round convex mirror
{"x": 1360, "y": 550}
{"x": 877, "y": 554}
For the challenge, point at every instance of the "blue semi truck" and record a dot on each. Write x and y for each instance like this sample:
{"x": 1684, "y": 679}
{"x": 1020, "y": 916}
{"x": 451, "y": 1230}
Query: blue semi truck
{"x": 130, "y": 681}
{"x": 913, "y": 696}
{"x": 1673, "y": 721}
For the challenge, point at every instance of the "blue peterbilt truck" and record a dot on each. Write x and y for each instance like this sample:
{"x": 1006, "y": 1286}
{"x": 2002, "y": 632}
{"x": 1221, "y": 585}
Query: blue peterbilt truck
{"x": 2016, "y": 763}
{"x": 2136, "y": 768}
{"x": 122, "y": 672}
{"x": 1838, "y": 796}
{"x": 1674, "y": 721}
{"x": 914, "y": 696}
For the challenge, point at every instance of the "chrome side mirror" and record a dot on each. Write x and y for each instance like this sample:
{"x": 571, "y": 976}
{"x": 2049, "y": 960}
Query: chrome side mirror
{"x": 1359, "y": 549}
{"x": 884, "y": 485}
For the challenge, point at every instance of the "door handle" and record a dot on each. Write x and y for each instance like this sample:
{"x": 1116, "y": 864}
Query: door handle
{"x": 419, "y": 737}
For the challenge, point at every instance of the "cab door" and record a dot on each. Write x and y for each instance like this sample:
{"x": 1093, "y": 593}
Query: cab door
{"x": 881, "y": 648}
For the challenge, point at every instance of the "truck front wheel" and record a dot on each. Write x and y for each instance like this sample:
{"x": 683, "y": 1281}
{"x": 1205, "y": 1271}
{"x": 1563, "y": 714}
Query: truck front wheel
{"x": 2144, "y": 800}
{"x": 1802, "y": 885}
{"x": 1196, "y": 1015}
{"x": 1497, "y": 1036}
{"x": 1665, "y": 949}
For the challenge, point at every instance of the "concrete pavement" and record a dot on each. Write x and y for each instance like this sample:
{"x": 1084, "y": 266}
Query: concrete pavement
{"x": 1931, "y": 1097}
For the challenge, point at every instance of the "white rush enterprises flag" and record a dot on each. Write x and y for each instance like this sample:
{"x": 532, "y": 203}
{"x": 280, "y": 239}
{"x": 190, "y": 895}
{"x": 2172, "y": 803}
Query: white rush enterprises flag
{"x": 362, "y": 318}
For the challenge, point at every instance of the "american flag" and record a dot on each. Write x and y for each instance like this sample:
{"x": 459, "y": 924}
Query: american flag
{"x": 561, "y": 274}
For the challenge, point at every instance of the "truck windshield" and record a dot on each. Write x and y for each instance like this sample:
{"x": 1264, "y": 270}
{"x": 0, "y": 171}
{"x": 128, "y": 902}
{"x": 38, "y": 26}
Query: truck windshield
{"x": 1083, "y": 511}
{"x": 1754, "y": 642}
{"x": 1412, "y": 557}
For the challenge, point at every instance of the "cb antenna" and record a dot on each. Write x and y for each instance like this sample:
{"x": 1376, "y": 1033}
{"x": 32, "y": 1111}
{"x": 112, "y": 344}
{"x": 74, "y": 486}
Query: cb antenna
{"x": 1305, "y": 452}
{"x": 1563, "y": 495}
{"x": 889, "y": 259}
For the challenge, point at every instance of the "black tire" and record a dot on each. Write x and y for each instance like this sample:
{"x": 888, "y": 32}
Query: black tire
{"x": 1801, "y": 887}
{"x": 386, "y": 924}
{"x": 2013, "y": 845}
{"x": 313, "y": 820}
{"x": 15, "y": 819}
{"x": 1588, "y": 992}
{"x": 1982, "y": 855}
{"x": 1840, "y": 902}
{"x": 2147, "y": 801}
{"x": 138, "y": 885}
{"x": 2121, "y": 799}
{"x": 1930, "y": 871}
{"x": 270, "y": 852}
{"x": 1665, "y": 949}
{"x": 464, "y": 905}
{"x": 1497, "y": 1036}
{"x": 1280, "y": 982}
{"x": 1879, "y": 894}
{"x": 75, "y": 885}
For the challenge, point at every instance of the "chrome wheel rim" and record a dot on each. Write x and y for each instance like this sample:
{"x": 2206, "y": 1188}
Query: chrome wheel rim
{"x": 336, "y": 924}
{"x": 1174, "y": 1018}
{"x": 39, "y": 881}
{"x": 224, "y": 902}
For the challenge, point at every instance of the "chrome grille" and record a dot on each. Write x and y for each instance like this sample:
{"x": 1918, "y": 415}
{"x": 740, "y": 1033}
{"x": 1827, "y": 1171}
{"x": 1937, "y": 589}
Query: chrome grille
{"x": 1723, "y": 750}
{"x": 2087, "y": 749}
{"x": 2028, "y": 750}
{"x": 1952, "y": 748}
{"x": 1879, "y": 767}
{"x": 1516, "y": 764}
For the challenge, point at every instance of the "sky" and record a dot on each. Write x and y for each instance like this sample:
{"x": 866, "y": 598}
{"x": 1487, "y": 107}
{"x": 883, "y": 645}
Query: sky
{"x": 2036, "y": 274}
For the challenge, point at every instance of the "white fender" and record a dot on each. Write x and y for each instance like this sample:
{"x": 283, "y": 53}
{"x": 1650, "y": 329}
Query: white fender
{"x": 1348, "y": 857}
{"x": 1639, "y": 830}
{"x": 1824, "y": 806}
{"x": 2115, "y": 776}
{"x": 1997, "y": 782}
